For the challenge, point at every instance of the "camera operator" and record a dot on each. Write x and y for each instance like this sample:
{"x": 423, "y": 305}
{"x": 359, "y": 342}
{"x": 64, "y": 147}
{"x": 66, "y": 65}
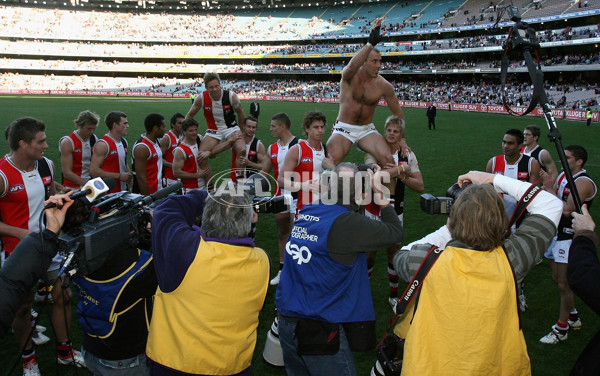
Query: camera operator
{"x": 212, "y": 285}
{"x": 28, "y": 262}
{"x": 324, "y": 299}
{"x": 474, "y": 282}
{"x": 114, "y": 306}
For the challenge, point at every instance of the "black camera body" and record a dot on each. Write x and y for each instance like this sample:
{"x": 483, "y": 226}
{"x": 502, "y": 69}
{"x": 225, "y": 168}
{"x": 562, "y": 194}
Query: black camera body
{"x": 118, "y": 219}
{"x": 431, "y": 204}
{"x": 264, "y": 204}
{"x": 522, "y": 36}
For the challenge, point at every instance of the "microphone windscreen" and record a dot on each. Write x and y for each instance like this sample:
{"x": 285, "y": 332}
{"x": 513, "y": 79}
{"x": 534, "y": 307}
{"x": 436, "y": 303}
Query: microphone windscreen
{"x": 110, "y": 183}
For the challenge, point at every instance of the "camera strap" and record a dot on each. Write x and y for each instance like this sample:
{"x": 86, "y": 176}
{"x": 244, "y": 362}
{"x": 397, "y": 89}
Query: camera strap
{"x": 524, "y": 201}
{"x": 414, "y": 286}
{"x": 538, "y": 82}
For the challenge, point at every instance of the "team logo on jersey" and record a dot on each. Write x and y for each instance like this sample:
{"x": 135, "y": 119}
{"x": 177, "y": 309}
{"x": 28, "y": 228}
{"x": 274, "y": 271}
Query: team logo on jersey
{"x": 306, "y": 160}
{"x": 47, "y": 180}
{"x": 522, "y": 175}
{"x": 78, "y": 150}
{"x": 16, "y": 188}
{"x": 207, "y": 108}
{"x": 302, "y": 254}
{"x": 274, "y": 155}
{"x": 113, "y": 152}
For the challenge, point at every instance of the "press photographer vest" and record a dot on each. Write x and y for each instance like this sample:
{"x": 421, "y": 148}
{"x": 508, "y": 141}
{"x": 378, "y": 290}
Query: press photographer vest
{"x": 466, "y": 320}
{"x": 98, "y": 299}
{"x": 207, "y": 325}
{"x": 315, "y": 286}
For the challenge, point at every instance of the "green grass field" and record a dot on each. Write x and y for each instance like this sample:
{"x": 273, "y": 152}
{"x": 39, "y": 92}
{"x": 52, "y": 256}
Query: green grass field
{"x": 463, "y": 141}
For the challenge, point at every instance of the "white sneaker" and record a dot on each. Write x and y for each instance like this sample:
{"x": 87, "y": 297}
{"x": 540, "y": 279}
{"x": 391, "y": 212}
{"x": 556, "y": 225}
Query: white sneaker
{"x": 68, "y": 360}
{"x": 39, "y": 298}
{"x": 275, "y": 281}
{"x": 31, "y": 369}
{"x": 40, "y": 328}
{"x": 575, "y": 325}
{"x": 522, "y": 302}
{"x": 34, "y": 314}
{"x": 393, "y": 303}
{"x": 554, "y": 337}
{"x": 39, "y": 338}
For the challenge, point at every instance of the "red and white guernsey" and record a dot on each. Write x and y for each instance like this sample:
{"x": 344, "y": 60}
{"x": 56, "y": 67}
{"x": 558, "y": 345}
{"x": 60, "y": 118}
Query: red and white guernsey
{"x": 219, "y": 114}
{"x": 520, "y": 170}
{"x": 190, "y": 164}
{"x": 22, "y": 201}
{"x": 173, "y": 142}
{"x": 277, "y": 153}
{"x": 82, "y": 155}
{"x": 115, "y": 160}
{"x": 309, "y": 167}
{"x": 154, "y": 163}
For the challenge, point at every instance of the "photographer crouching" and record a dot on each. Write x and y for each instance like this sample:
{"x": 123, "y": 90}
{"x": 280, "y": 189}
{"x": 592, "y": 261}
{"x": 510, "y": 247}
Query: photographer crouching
{"x": 324, "y": 298}
{"x": 212, "y": 285}
{"x": 473, "y": 283}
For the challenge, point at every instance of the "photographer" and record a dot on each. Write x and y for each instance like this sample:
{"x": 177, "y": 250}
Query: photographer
{"x": 474, "y": 281}
{"x": 212, "y": 285}
{"x": 324, "y": 298}
{"x": 114, "y": 306}
{"x": 28, "y": 262}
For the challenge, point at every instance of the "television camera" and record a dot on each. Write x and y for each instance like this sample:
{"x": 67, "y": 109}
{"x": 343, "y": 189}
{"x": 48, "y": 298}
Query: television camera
{"x": 118, "y": 219}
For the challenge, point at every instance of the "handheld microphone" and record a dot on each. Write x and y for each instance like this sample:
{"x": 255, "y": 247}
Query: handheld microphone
{"x": 91, "y": 190}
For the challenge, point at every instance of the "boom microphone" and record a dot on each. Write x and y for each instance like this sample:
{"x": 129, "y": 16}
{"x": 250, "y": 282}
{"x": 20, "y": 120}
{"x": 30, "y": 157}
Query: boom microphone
{"x": 91, "y": 190}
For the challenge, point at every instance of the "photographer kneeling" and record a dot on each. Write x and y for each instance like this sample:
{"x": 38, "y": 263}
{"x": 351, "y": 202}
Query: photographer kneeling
{"x": 466, "y": 317}
{"x": 212, "y": 285}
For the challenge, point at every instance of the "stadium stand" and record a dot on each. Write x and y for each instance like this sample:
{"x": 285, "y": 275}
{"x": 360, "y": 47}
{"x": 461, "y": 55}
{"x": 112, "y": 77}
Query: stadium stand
{"x": 281, "y": 41}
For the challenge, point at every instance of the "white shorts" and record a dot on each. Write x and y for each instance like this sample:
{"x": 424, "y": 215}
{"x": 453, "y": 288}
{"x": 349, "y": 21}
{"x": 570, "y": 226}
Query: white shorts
{"x": 168, "y": 182}
{"x": 221, "y": 134}
{"x": 559, "y": 251}
{"x": 354, "y": 133}
{"x": 293, "y": 204}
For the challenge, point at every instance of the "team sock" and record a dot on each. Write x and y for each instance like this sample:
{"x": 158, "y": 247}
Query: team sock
{"x": 63, "y": 349}
{"x": 562, "y": 327}
{"x": 28, "y": 355}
